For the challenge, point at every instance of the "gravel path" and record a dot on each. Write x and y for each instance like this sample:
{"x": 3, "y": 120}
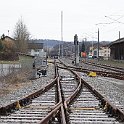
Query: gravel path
{"x": 27, "y": 88}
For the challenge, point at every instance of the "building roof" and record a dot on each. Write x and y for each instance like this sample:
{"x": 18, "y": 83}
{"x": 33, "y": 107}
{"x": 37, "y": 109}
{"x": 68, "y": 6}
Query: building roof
{"x": 8, "y": 38}
{"x": 116, "y": 42}
{"x": 23, "y": 54}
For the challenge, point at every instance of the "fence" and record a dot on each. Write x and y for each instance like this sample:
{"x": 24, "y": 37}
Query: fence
{"x": 8, "y": 68}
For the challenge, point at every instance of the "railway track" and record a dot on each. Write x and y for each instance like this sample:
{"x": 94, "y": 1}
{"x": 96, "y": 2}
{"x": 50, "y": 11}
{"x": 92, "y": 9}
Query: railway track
{"x": 33, "y": 112}
{"x": 106, "y": 73}
{"x": 32, "y": 108}
{"x": 67, "y": 100}
{"x": 85, "y": 107}
{"x": 112, "y": 68}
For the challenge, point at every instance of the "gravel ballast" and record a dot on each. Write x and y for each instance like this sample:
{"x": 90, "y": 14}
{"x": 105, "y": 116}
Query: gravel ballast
{"x": 27, "y": 89}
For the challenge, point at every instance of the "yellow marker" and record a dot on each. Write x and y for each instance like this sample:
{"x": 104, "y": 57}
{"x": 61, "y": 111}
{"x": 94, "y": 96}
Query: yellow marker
{"x": 18, "y": 105}
{"x": 106, "y": 106}
{"x": 92, "y": 74}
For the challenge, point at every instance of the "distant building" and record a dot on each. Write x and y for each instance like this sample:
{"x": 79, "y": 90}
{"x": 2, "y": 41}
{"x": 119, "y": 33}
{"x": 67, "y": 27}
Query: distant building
{"x": 7, "y": 38}
{"x": 117, "y": 49}
{"x": 8, "y": 41}
{"x": 104, "y": 52}
{"x": 35, "y": 48}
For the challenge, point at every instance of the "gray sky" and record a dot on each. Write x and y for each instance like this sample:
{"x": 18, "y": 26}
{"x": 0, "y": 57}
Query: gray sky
{"x": 43, "y": 18}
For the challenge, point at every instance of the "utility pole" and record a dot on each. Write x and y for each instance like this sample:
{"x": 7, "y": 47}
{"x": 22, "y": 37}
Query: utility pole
{"x": 119, "y": 35}
{"x": 8, "y": 32}
{"x": 59, "y": 51}
{"x": 62, "y": 31}
{"x": 98, "y": 44}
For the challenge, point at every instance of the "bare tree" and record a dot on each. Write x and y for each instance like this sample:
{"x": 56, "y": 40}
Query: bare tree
{"x": 21, "y": 35}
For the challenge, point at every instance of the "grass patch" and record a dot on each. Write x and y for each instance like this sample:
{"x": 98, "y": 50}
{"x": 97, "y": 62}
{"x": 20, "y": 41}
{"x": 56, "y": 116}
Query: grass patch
{"x": 112, "y": 63}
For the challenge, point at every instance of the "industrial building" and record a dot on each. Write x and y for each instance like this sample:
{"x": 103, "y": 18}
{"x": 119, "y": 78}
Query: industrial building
{"x": 117, "y": 49}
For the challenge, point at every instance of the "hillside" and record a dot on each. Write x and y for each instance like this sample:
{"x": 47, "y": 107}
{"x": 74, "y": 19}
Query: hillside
{"x": 47, "y": 42}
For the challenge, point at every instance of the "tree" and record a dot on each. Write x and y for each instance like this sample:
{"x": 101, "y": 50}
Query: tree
{"x": 21, "y": 35}
{"x": 1, "y": 45}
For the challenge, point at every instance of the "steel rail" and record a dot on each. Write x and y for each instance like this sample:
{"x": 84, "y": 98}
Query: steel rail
{"x": 102, "y": 73}
{"x": 117, "y": 69}
{"x": 62, "y": 104}
{"x": 4, "y": 110}
{"x": 51, "y": 114}
{"x": 63, "y": 120}
{"x": 59, "y": 107}
{"x": 70, "y": 98}
{"x": 105, "y": 103}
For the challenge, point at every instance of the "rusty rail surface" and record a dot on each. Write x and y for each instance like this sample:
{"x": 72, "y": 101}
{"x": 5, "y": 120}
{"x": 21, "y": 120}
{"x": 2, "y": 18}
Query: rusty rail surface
{"x": 4, "y": 110}
{"x": 63, "y": 118}
{"x": 69, "y": 99}
{"x": 62, "y": 105}
{"x": 102, "y": 73}
{"x": 105, "y": 103}
{"x": 51, "y": 114}
{"x": 59, "y": 107}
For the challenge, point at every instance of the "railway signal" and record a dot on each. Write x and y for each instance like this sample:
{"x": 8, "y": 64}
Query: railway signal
{"x": 76, "y": 43}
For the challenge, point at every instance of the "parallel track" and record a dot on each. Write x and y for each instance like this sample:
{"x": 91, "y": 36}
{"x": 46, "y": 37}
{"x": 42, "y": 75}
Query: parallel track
{"x": 114, "y": 74}
{"x": 116, "y": 69}
{"x": 33, "y": 112}
{"x": 86, "y": 107}
{"x": 69, "y": 100}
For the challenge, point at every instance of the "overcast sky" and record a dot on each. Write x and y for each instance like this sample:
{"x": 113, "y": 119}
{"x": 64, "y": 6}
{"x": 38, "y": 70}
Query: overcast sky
{"x": 81, "y": 17}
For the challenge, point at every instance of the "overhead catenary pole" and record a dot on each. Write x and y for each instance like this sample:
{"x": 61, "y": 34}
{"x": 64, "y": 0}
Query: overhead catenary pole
{"x": 59, "y": 50}
{"x": 98, "y": 45}
{"x": 92, "y": 46}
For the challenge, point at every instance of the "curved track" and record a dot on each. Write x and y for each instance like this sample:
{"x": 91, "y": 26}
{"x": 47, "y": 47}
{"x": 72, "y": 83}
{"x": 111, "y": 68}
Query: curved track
{"x": 99, "y": 71}
{"x": 85, "y": 106}
{"x": 67, "y": 100}
{"x": 34, "y": 112}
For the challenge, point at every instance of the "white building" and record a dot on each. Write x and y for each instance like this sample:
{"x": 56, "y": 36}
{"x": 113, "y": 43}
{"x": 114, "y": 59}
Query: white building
{"x": 104, "y": 52}
{"x": 36, "y": 49}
